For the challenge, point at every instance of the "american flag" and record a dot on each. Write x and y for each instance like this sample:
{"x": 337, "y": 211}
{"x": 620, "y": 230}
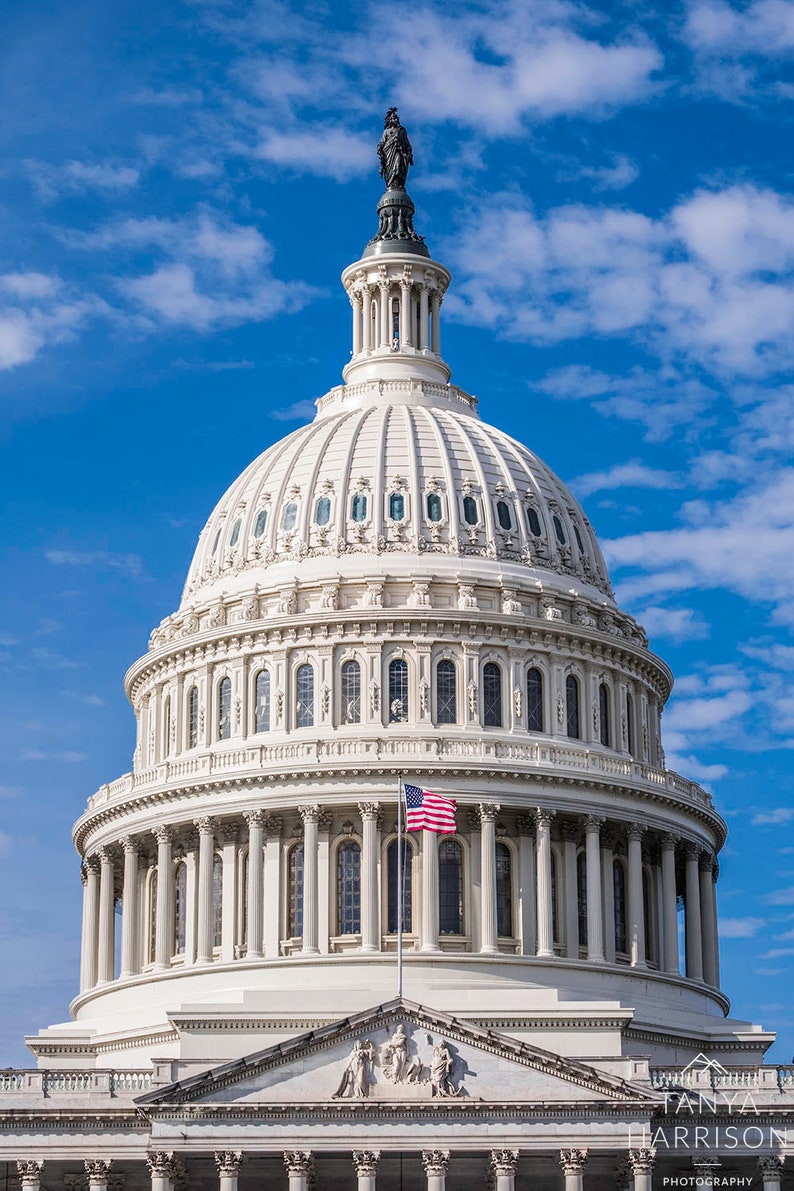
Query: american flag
{"x": 429, "y": 812}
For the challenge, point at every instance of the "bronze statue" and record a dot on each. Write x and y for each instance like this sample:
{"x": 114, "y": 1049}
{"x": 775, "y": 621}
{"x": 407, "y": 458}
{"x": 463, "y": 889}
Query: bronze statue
{"x": 394, "y": 152}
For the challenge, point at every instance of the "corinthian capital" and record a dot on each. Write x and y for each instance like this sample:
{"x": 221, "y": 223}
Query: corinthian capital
{"x": 573, "y": 1161}
{"x": 366, "y": 1162}
{"x": 298, "y": 1162}
{"x": 504, "y": 1161}
{"x": 228, "y": 1162}
{"x": 435, "y": 1161}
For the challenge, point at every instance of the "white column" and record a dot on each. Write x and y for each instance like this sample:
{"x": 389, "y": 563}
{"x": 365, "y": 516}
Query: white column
{"x": 355, "y": 302}
{"x": 29, "y": 1173}
{"x": 527, "y": 884}
{"x": 97, "y": 1171}
{"x": 543, "y": 818}
{"x": 366, "y": 319}
{"x": 641, "y": 1164}
{"x": 771, "y": 1168}
{"x": 254, "y": 926}
{"x": 636, "y": 913}
{"x": 228, "y": 1163}
{"x": 488, "y": 813}
{"x": 435, "y": 1163}
{"x": 366, "y": 1165}
{"x": 429, "y": 891}
{"x": 228, "y": 892}
{"x": 161, "y": 1166}
{"x": 708, "y": 908}
{"x": 191, "y": 895}
{"x": 573, "y": 1163}
{"x": 424, "y": 317}
{"x": 88, "y": 952}
{"x": 298, "y": 1164}
{"x": 435, "y": 307}
{"x": 503, "y": 1164}
{"x": 164, "y": 935}
{"x": 608, "y": 893}
{"x": 715, "y": 872}
{"x": 370, "y": 916}
{"x": 204, "y": 923}
{"x": 570, "y": 834}
{"x": 310, "y": 815}
{"x": 272, "y": 828}
{"x": 692, "y": 918}
{"x": 595, "y": 922}
{"x": 107, "y": 937}
{"x": 385, "y": 315}
{"x": 130, "y": 962}
{"x": 669, "y": 906}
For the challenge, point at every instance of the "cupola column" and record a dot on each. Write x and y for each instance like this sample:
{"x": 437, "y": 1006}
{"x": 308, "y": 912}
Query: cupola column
{"x": 88, "y": 956}
{"x": 164, "y": 941}
{"x": 228, "y": 1163}
{"x": 366, "y": 319}
{"x": 272, "y": 828}
{"x": 595, "y": 922}
{"x": 503, "y": 1164}
{"x": 370, "y": 932}
{"x": 692, "y": 919}
{"x": 608, "y": 842}
{"x": 429, "y": 891}
{"x": 204, "y": 928}
{"x": 385, "y": 319}
{"x": 636, "y": 910}
{"x": 424, "y": 317}
{"x": 708, "y": 911}
{"x": 229, "y": 884}
{"x": 107, "y": 917}
{"x": 573, "y": 1163}
{"x": 435, "y": 308}
{"x": 488, "y": 928}
{"x": 641, "y": 1164}
{"x": 435, "y": 1163}
{"x": 527, "y": 883}
{"x": 669, "y": 906}
{"x": 356, "y": 303}
{"x": 543, "y": 818}
{"x": 570, "y": 836}
{"x": 366, "y": 1165}
{"x": 310, "y": 816}
{"x": 406, "y": 330}
{"x": 130, "y": 964}
{"x": 254, "y": 926}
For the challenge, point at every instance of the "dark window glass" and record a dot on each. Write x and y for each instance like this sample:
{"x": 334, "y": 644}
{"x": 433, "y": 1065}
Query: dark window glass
{"x": 581, "y": 897}
{"x": 304, "y": 703}
{"x": 450, "y": 887}
{"x": 534, "y": 700}
{"x": 572, "y": 707}
{"x": 603, "y": 714}
{"x": 261, "y": 522}
{"x": 192, "y": 717}
{"x": 630, "y": 723}
{"x": 555, "y": 909}
{"x": 470, "y": 514}
{"x": 646, "y": 913}
{"x": 358, "y": 507}
{"x": 394, "y": 886}
{"x": 217, "y": 901}
{"x": 348, "y": 889}
{"x": 433, "y": 506}
{"x": 295, "y": 893}
{"x": 322, "y": 511}
{"x": 235, "y": 533}
{"x": 290, "y": 517}
{"x": 578, "y": 537}
{"x": 558, "y": 529}
{"x": 244, "y": 907}
{"x": 262, "y": 708}
{"x": 351, "y": 693}
{"x": 446, "y": 693}
{"x": 534, "y": 521}
{"x": 152, "y": 915}
{"x": 180, "y": 908}
{"x": 619, "y": 884}
{"x": 503, "y": 514}
{"x": 398, "y": 691}
{"x": 396, "y": 506}
{"x": 491, "y": 695}
{"x": 504, "y": 891}
{"x": 225, "y": 709}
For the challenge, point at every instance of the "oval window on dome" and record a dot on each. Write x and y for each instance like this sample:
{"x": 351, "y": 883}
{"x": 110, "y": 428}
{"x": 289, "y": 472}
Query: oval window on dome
{"x": 397, "y": 506}
{"x": 558, "y": 529}
{"x": 433, "y": 506}
{"x": 578, "y": 537}
{"x": 261, "y": 522}
{"x": 470, "y": 513}
{"x": 534, "y": 521}
{"x": 503, "y": 514}
{"x": 233, "y": 540}
{"x": 358, "y": 507}
{"x": 290, "y": 517}
{"x": 322, "y": 511}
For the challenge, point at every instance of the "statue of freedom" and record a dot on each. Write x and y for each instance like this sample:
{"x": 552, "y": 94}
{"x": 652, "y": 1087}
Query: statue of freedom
{"x": 394, "y": 152}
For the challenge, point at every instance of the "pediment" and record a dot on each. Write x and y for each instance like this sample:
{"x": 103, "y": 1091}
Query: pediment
{"x": 398, "y": 1052}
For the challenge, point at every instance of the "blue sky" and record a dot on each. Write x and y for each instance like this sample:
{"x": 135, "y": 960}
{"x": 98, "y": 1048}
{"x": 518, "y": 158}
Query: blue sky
{"x": 182, "y": 184}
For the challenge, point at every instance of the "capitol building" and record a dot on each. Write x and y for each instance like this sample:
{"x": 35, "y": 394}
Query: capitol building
{"x": 398, "y": 590}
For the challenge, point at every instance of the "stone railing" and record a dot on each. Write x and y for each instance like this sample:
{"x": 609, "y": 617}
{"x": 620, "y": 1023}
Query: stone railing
{"x": 68, "y": 1083}
{"x": 717, "y": 1078}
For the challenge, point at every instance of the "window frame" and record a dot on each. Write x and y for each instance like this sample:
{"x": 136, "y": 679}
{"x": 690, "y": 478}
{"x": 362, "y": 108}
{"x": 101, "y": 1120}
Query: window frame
{"x": 487, "y": 669}
{"x": 445, "y": 662}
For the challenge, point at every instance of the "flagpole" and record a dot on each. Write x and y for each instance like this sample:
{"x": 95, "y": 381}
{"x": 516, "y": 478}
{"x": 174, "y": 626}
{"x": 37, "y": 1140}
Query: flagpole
{"x": 400, "y": 886}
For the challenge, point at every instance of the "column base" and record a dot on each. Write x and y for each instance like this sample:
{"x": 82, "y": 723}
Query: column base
{"x": 545, "y": 955}
{"x": 489, "y": 951}
{"x": 368, "y": 949}
{"x": 253, "y": 955}
{"x": 427, "y": 949}
{"x": 310, "y": 950}
{"x": 596, "y": 959}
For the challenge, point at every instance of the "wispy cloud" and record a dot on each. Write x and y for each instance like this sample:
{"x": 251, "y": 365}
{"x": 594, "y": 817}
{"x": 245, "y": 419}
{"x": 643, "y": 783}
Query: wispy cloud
{"x": 632, "y": 474}
{"x": 774, "y": 817}
{"x": 741, "y": 928}
{"x": 130, "y": 565}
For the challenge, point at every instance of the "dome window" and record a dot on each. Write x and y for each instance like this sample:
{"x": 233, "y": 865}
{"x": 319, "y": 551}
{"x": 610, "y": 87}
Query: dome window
{"x": 504, "y": 891}
{"x": 180, "y": 908}
{"x": 433, "y": 506}
{"x": 450, "y": 888}
{"x": 304, "y": 704}
{"x": 348, "y": 889}
{"x": 358, "y": 507}
{"x": 619, "y": 886}
{"x": 322, "y": 511}
{"x": 534, "y": 521}
{"x": 233, "y": 540}
{"x": 261, "y": 522}
{"x": 225, "y": 709}
{"x": 578, "y": 537}
{"x": 470, "y": 512}
{"x": 581, "y": 897}
{"x": 534, "y": 700}
{"x": 603, "y": 714}
{"x": 295, "y": 892}
{"x": 262, "y": 702}
{"x": 398, "y": 691}
{"x": 572, "y": 718}
{"x": 503, "y": 515}
{"x": 446, "y": 693}
{"x": 217, "y": 901}
{"x": 351, "y": 693}
{"x": 393, "y": 859}
{"x": 630, "y": 724}
{"x": 397, "y": 506}
{"x": 492, "y": 695}
{"x": 558, "y": 529}
{"x": 290, "y": 517}
{"x": 192, "y": 717}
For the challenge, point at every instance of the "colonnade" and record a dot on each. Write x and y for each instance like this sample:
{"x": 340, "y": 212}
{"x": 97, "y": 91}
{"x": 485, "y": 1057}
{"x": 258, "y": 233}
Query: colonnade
{"x": 560, "y": 894}
{"x": 394, "y": 310}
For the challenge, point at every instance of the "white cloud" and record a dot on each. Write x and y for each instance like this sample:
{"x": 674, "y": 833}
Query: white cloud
{"x": 773, "y": 818}
{"x": 299, "y": 411}
{"x": 677, "y": 624}
{"x": 764, "y": 27}
{"x": 34, "y": 312}
{"x": 617, "y": 176}
{"x": 781, "y": 897}
{"x": 328, "y": 151}
{"x": 51, "y": 181}
{"x": 632, "y": 474}
{"x": 129, "y": 564}
{"x": 740, "y": 928}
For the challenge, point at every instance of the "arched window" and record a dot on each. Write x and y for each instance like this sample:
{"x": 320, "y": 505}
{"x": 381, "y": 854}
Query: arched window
{"x": 358, "y": 507}
{"x": 504, "y": 891}
{"x": 322, "y": 511}
{"x": 578, "y": 537}
{"x": 491, "y": 695}
{"x": 619, "y": 885}
{"x": 558, "y": 529}
{"x": 446, "y": 693}
{"x": 581, "y": 897}
{"x": 351, "y": 693}
{"x": 261, "y": 522}
{"x": 348, "y": 889}
{"x": 233, "y": 540}
{"x": 152, "y": 940}
{"x": 192, "y": 717}
{"x": 290, "y": 517}
{"x": 225, "y": 709}
{"x": 166, "y": 743}
{"x": 217, "y": 901}
{"x": 396, "y": 506}
{"x": 533, "y": 521}
{"x": 295, "y": 892}
{"x": 450, "y": 887}
{"x": 603, "y": 714}
{"x": 304, "y": 702}
{"x": 393, "y": 886}
{"x": 180, "y": 908}
{"x": 470, "y": 512}
{"x": 534, "y": 700}
{"x": 572, "y": 721}
{"x": 503, "y": 514}
{"x": 398, "y": 691}
{"x": 630, "y": 723}
{"x": 262, "y": 702}
{"x": 433, "y": 506}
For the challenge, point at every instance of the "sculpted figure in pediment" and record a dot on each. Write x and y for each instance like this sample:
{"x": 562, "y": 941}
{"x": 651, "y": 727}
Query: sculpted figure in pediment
{"x": 441, "y": 1066}
{"x": 398, "y": 1065}
{"x": 357, "y": 1075}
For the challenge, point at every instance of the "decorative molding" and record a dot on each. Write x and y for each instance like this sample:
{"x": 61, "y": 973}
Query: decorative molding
{"x": 504, "y": 1162}
{"x": 435, "y": 1162}
{"x": 573, "y": 1161}
{"x": 228, "y": 1162}
{"x": 366, "y": 1162}
{"x": 298, "y": 1163}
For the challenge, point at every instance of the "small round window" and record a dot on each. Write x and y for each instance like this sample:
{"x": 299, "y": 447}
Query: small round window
{"x": 503, "y": 514}
{"x": 290, "y": 517}
{"x": 397, "y": 506}
{"x": 534, "y": 521}
{"x": 470, "y": 515}
{"x": 322, "y": 511}
{"x": 358, "y": 507}
{"x": 233, "y": 540}
{"x": 261, "y": 522}
{"x": 433, "y": 506}
{"x": 558, "y": 529}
